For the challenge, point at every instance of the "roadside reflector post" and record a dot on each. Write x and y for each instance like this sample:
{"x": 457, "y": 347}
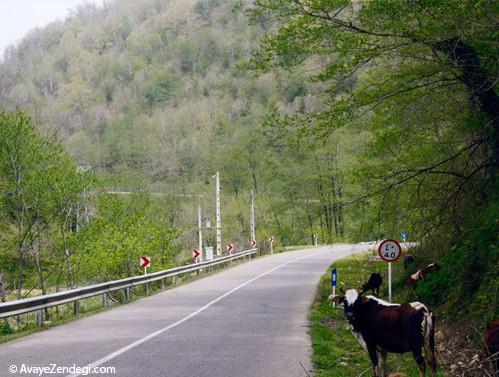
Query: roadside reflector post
{"x": 271, "y": 241}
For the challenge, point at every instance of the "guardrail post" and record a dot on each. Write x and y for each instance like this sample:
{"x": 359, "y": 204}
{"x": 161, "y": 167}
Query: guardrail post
{"x": 104, "y": 300}
{"x": 39, "y": 317}
{"x": 162, "y": 283}
{"x": 175, "y": 280}
{"x": 147, "y": 289}
{"x": 127, "y": 294}
{"x": 76, "y": 307}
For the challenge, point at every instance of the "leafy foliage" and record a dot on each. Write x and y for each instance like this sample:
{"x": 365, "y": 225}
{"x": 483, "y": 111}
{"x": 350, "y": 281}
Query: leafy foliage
{"x": 126, "y": 228}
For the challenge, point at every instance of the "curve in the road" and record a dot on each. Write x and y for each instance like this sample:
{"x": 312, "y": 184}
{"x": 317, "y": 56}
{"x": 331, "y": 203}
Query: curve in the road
{"x": 247, "y": 321}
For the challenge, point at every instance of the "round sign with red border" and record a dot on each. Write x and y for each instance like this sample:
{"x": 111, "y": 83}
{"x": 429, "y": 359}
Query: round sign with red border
{"x": 389, "y": 250}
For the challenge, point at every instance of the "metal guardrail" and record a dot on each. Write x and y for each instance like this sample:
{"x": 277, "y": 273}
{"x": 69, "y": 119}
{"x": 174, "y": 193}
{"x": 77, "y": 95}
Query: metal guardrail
{"x": 38, "y": 303}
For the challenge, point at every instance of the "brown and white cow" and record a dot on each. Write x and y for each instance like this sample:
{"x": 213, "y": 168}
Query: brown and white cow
{"x": 382, "y": 327}
{"x": 421, "y": 274}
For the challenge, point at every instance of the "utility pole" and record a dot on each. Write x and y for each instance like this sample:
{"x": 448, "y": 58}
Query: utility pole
{"x": 252, "y": 216}
{"x": 82, "y": 169}
{"x": 219, "y": 217}
{"x": 85, "y": 203}
{"x": 77, "y": 217}
{"x": 200, "y": 235}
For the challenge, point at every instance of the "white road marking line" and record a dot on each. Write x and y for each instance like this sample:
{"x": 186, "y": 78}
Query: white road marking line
{"x": 193, "y": 314}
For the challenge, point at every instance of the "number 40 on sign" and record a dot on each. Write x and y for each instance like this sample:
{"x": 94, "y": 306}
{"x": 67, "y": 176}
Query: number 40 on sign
{"x": 389, "y": 250}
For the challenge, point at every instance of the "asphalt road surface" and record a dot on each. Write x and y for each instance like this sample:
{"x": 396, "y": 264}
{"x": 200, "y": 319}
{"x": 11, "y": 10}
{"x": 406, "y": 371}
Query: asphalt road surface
{"x": 247, "y": 321}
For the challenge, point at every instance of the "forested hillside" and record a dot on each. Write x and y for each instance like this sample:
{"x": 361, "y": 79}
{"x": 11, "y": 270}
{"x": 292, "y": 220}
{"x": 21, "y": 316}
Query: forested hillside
{"x": 152, "y": 93}
{"x": 142, "y": 102}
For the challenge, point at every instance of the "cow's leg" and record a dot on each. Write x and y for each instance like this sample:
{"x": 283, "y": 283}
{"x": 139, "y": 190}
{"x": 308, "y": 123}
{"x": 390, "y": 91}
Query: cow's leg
{"x": 418, "y": 356}
{"x": 432, "y": 362}
{"x": 371, "y": 349}
{"x": 382, "y": 362}
{"x": 429, "y": 344}
{"x": 429, "y": 354}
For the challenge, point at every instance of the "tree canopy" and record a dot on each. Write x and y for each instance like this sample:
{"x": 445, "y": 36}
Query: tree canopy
{"x": 420, "y": 76}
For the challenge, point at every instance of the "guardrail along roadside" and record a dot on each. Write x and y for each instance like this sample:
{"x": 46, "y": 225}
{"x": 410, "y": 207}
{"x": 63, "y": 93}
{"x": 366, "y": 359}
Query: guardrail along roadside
{"x": 40, "y": 303}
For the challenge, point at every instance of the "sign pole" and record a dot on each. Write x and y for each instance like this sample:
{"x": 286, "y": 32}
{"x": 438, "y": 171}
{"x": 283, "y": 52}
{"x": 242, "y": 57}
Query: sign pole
{"x": 200, "y": 236}
{"x": 334, "y": 278}
{"x": 252, "y": 216}
{"x": 390, "y": 281}
{"x": 219, "y": 216}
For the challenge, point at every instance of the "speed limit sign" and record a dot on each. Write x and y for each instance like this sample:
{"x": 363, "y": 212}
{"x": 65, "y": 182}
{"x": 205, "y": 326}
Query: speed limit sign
{"x": 389, "y": 250}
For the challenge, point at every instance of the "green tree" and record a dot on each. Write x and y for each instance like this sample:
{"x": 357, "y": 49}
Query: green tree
{"x": 39, "y": 185}
{"x": 124, "y": 228}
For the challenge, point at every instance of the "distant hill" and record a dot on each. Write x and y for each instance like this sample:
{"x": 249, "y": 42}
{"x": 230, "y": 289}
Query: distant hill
{"x": 152, "y": 92}
{"x": 148, "y": 87}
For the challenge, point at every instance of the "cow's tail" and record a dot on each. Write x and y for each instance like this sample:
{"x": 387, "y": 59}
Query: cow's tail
{"x": 429, "y": 340}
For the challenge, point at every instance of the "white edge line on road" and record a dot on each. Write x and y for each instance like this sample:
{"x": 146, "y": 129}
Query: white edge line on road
{"x": 193, "y": 314}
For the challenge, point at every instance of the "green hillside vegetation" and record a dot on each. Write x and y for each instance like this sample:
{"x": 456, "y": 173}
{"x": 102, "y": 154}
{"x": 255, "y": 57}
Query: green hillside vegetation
{"x": 143, "y": 101}
{"x": 352, "y": 120}
{"x": 151, "y": 94}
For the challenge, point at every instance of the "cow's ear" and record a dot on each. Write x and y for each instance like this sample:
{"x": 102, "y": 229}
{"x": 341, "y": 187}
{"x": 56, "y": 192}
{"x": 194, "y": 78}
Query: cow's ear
{"x": 342, "y": 291}
{"x": 337, "y": 299}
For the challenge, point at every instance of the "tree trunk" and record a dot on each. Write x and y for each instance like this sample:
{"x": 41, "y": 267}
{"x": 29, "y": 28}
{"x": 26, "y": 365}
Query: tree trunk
{"x": 477, "y": 80}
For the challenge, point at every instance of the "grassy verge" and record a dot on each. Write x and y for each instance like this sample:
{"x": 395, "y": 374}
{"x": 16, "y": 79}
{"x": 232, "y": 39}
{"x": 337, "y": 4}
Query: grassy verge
{"x": 336, "y": 353}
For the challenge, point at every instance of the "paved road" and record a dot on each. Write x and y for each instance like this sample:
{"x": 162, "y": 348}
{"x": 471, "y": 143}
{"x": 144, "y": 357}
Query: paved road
{"x": 247, "y": 321}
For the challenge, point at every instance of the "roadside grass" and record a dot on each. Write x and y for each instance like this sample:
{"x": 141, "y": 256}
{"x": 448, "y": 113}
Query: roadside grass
{"x": 336, "y": 353}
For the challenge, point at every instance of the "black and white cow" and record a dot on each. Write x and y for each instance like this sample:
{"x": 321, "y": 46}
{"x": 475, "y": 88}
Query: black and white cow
{"x": 382, "y": 327}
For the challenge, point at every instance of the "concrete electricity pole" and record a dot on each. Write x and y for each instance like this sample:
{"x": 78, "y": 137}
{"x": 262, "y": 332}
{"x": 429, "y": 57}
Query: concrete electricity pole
{"x": 252, "y": 216}
{"x": 200, "y": 235}
{"x": 219, "y": 219}
{"x": 82, "y": 169}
